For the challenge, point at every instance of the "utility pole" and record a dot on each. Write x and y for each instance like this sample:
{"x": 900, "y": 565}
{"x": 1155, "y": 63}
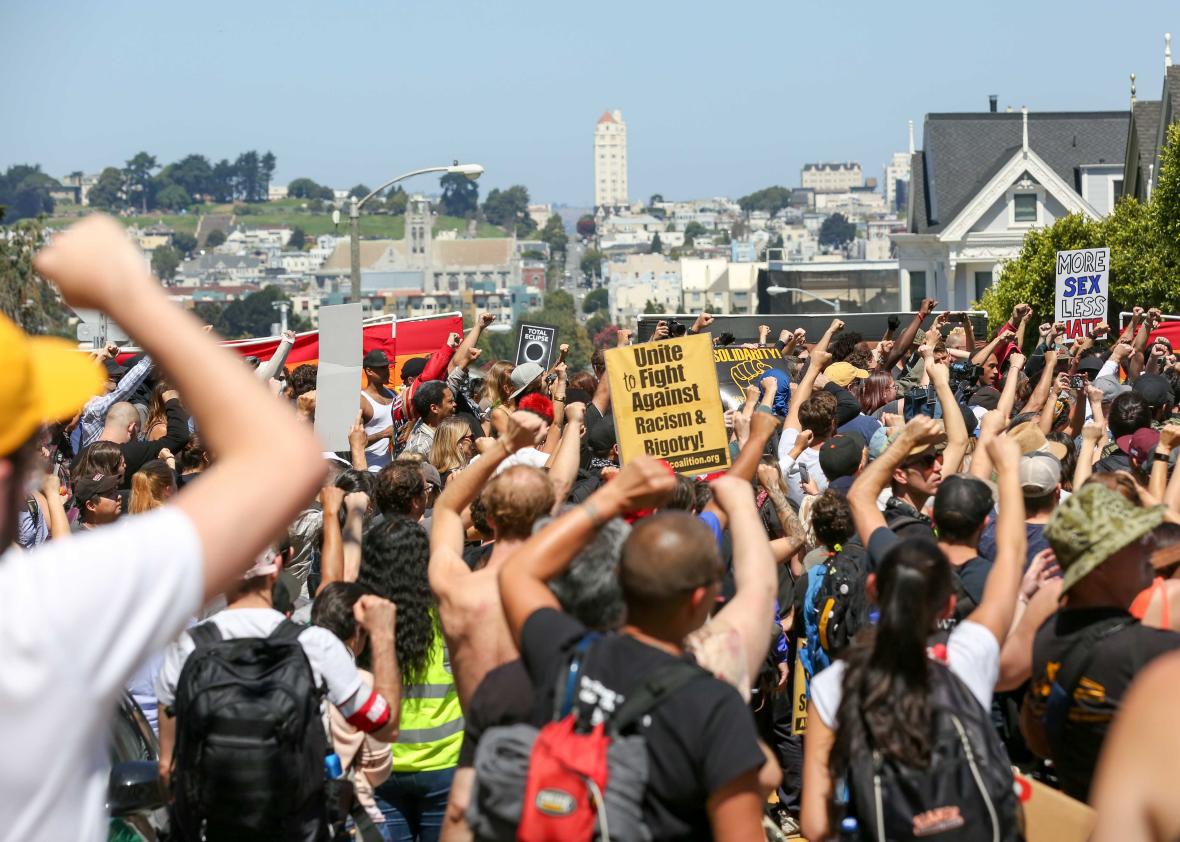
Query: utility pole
{"x": 282, "y": 307}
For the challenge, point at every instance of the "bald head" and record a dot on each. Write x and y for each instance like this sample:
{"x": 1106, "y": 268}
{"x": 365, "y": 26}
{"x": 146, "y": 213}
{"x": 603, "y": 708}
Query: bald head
{"x": 665, "y": 558}
{"x": 121, "y": 422}
{"x": 515, "y": 499}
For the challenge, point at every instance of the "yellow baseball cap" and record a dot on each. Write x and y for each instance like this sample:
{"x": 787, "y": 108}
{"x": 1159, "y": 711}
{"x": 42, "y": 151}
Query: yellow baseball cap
{"x": 43, "y": 380}
{"x": 843, "y": 373}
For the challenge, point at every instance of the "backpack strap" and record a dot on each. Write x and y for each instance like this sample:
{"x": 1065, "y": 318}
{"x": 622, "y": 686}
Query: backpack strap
{"x": 1069, "y": 675}
{"x": 651, "y": 693}
{"x": 567, "y": 681}
{"x": 286, "y": 632}
{"x": 205, "y": 634}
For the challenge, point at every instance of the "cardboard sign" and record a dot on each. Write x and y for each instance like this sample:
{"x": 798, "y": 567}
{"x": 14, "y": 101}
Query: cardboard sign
{"x": 536, "y": 344}
{"x": 338, "y": 379}
{"x": 1083, "y": 290}
{"x": 666, "y": 404}
{"x": 738, "y": 368}
{"x": 799, "y": 694}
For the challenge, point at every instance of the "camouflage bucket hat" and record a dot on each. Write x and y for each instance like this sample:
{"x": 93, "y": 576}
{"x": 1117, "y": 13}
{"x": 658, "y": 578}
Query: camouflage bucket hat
{"x": 1093, "y": 525}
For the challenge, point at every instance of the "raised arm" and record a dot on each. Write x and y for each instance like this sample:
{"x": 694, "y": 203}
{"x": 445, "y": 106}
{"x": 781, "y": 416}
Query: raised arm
{"x": 462, "y": 355}
{"x": 904, "y": 342}
{"x": 952, "y": 419}
{"x": 819, "y": 361}
{"x": 643, "y": 483}
{"x": 332, "y": 546}
{"x": 1040, "y": 393}
{"x": 862, "y": 497}
{"x": 446, "y": 532}
{"x": 268, "y": 463}
{"x": 271, "y": 367}
{"x": 563, "y": 467}
{"x": 990, "y": 426}
{"x": 980, "y": 356}
{"x": 998, "y": 605}
{"x": 1007, "y": 401}
{"x": 356, "y": 504}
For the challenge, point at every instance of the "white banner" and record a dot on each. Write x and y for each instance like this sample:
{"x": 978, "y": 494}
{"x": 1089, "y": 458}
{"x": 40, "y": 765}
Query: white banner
{"x": 1083, "y": 290}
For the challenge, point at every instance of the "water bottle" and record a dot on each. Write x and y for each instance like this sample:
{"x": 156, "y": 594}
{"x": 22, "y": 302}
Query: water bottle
{"x": 332, "y": 766}
{"x": 849, "y": 829}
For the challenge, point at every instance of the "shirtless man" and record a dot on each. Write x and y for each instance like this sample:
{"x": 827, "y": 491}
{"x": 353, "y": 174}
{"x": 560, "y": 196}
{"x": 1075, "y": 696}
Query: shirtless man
{"x": 469, "y": 601}
{"x": 377, "y": 409}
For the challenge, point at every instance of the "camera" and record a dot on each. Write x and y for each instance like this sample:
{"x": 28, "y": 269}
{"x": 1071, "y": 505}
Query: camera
{"x": 964, "y": 371}
{"x": 676, "y": 329}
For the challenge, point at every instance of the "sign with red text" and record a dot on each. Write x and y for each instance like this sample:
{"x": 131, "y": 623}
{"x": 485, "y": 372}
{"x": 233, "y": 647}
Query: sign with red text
{"x": 1083, "y": 290}
{"x": 666, "y": 403}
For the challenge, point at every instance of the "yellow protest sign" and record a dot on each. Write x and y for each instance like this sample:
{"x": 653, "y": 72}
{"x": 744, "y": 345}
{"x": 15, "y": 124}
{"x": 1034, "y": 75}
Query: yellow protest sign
{"x": 799, "y": 694}
{"x": 666, "y": 404}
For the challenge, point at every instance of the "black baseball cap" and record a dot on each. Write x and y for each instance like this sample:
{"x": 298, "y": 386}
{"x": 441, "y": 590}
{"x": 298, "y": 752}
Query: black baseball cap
{"x": 413, "y": 368}
{"x": 988, "y": 397}
{"x": 961, "y": 504}
{"x": 98, "y": 485}
{"x": 1092, "y": 363}
{"x": 840, "y": 455}
{"x": 1153, "y": 388}
{"x": 376, "y": 359}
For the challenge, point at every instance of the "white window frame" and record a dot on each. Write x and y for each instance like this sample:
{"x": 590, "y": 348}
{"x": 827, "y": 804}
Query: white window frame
{"x": 1017, "y": 190}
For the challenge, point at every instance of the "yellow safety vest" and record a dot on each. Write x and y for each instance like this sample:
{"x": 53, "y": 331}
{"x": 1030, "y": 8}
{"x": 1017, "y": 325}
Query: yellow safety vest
{"x": 431, "y": 731}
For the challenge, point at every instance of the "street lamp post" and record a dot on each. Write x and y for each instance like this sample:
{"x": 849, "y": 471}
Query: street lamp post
{"x": 472, "y": 171}
{"x": 776, "y": 290}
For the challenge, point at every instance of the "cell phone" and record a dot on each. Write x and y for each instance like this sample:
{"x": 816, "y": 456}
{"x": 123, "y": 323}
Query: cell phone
{"x": 954, "y": 318}
{"x": 804, "y": 474}
{"x": 1078, "y": 382}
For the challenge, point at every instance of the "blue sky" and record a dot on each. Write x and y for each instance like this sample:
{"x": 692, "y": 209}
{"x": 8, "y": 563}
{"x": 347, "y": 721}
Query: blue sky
{"x": 719, "y": 99}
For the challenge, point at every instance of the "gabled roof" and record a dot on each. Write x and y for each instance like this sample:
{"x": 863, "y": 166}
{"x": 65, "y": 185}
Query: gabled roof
{"x": 606, "y": 117}
{"x": 961, "y": 153}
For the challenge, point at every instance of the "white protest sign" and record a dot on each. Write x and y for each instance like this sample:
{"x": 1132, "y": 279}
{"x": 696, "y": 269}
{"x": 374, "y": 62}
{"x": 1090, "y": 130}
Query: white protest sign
{"x": 338, "y": 380}
{"x": 1083, "y": 290}
{"x": 535, "y": 344}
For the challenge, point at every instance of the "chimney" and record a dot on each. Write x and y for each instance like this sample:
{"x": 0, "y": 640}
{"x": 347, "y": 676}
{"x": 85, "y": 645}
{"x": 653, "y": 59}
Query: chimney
{"x": 991, "y": 103}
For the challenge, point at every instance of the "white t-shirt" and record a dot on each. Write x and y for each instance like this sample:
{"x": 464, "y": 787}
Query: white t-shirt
{"x": 973, "y": 654}
{"x": 529, "y": 456}
{"x": 330, "y": 661}
{"x": 809, "y": 459}
{"x": 77, "y": 617}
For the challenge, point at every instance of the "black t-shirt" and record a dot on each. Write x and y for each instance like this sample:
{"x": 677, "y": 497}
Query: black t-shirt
{"x": 973, "y": 575}
{"x": 1115, "y": 660}
{"x": 504, "y": 697}
{"x": 698, "y": 740}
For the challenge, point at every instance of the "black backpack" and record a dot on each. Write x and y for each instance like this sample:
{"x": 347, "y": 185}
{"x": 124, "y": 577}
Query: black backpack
{"x": 250, "y": 740}
{"x": 965, "y": 794}
{"x": 841, "y": 602}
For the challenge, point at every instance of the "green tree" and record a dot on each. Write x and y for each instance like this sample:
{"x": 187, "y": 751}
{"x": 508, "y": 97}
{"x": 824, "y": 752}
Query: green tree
{"x": 193, "y": 173}
{"x": 303, "y": 188}
{"x": 596, "y": 299}
{"x": 24, "y": 191}
{"x": 172, "y": 197}
{"x": 184, "y": 243}
{"x": 253, "y": 315}
{"x": 24, "y": 296}
{"x": 107, "y": 192}
{"x": 693, "y": 230}
{"x": 165, "y": 262}
{"x": 655, "y": 197}
{"x": 509, "y": 209}
{"x": 591, "y": 263}
{"x": 360, "y": 191}
{"x": 586, "y": 226}
{"x": 769, "y": 199}
{"x": 460, "y": 195}
{"x": 396, "y": 201}
{"x": 554, "y": 234}
{"x": 138, "y": 174}
{"x": 248, "y": 177}
{"x": 657, "y": 245}
{"x": 222, "y": 181}
{"x": 652, "y": 307}
{"x": 266, "y": 169}
{"x": 836, "y": 230}
{"x": 215, "y": 238}
{"x": 298, "y": 239}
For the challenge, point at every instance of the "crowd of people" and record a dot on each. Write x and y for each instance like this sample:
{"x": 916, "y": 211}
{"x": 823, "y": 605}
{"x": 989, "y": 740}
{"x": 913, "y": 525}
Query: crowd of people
{"x": 931, "y": 560}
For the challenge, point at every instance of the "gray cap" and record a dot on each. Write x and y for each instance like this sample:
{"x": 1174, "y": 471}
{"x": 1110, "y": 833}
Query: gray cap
{"x": 523, "y": 376}
{"x": 1111, "y": 388}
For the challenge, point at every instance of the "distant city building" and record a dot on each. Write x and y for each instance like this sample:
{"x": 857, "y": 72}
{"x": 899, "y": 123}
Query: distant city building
{"x": 637, "y": 279}
{"x": 275, "y": 192}
{"x": 897, "y": 177}
{"x": 610, "y": 161}
{"x": 832, "y": 177}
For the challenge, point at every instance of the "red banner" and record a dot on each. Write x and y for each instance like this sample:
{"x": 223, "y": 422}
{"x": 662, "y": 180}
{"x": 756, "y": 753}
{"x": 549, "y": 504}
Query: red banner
{"x": 401, "y": 341}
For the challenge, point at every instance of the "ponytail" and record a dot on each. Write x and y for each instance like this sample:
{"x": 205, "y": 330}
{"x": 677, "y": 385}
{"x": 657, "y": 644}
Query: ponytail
{"x": 885, "y": 700}
{"x": 151, "y": 485}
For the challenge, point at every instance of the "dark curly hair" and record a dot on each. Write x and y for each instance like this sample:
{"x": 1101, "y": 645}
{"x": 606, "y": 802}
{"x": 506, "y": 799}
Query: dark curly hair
{"x": 393, "y": 565}
{"x": 843, "y": 344}
{"x": 397, "y": 486}
{"x": 831, "y": 519}
{"x": 302, "y": 380}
